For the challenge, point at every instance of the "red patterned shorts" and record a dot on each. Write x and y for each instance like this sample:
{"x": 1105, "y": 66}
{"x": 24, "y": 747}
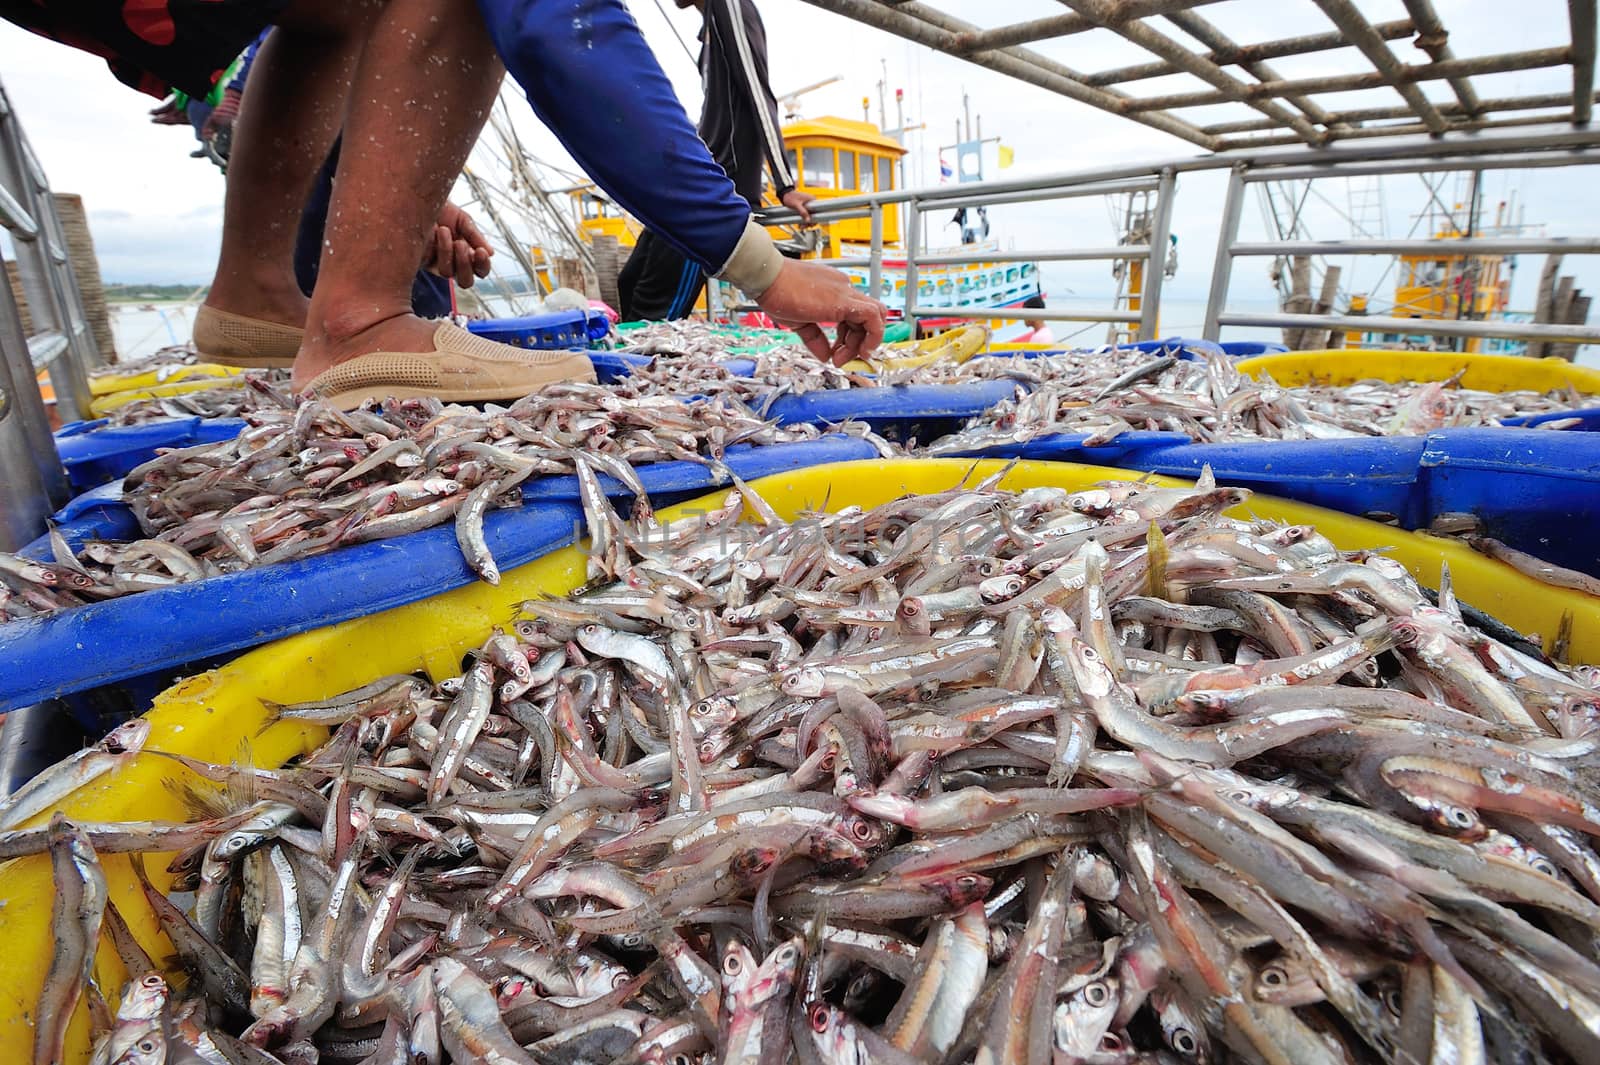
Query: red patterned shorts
{"x": 153, "y": 45}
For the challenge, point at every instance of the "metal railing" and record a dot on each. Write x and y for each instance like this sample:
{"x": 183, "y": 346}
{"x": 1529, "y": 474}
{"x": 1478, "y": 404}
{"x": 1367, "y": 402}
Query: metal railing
{"x": 32, "y": 481}
{"x": 975, "y": 194}
{"x": 1498, "y": 149}
{"x": 1239, "y": 74}
{"x": 1229, "y": 247}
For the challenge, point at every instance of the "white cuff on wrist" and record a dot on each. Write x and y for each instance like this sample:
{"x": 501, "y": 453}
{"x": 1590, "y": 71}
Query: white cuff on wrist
{"x": 755, "y": 262}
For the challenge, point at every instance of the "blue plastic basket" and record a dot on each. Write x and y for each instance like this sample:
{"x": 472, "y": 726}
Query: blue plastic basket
{"x": 548, "y": 332}
{"x": 113, "y": 641}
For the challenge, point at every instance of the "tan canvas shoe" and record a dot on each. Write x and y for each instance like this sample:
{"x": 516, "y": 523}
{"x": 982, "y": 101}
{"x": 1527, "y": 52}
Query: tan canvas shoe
{"x": 461, "y": 368}
{"x": 229, "y": 339}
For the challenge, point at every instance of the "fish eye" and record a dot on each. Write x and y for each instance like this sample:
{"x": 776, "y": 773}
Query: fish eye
{"x": 731, "y": 965}
{"x": 147, "y": 1045}
{"x": 1089, "y": 654}
{"x": 788, "y": 953}
{"x": 860, "y": 830}
{"x": 681, "y": 1058}
{"x": 819, "y": 1018}
{"x": 152, "y": 981}
{"x": 1184, "y": 1042}
{"x": 1239, "y": 795}
{"x": 1111, "y": 1042}
{"x": 1097, "y": 993}
{"x": 1459, "y": 818}
{"x": 1274, "y": 976}
{"x": 1543, "y": 865}
{"x": 618, "y": 980}
{"x": 967, "y": 881}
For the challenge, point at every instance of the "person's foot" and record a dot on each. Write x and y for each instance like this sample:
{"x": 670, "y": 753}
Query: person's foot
{"x": 251, "y": 325}
{"x": 325, "y": 348}
{"x": 406, "y": 357}
{"x": 230, "y": 339}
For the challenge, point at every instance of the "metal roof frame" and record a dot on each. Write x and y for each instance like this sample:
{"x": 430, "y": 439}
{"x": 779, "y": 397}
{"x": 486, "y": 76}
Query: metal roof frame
{"x": 1239, "y": 73}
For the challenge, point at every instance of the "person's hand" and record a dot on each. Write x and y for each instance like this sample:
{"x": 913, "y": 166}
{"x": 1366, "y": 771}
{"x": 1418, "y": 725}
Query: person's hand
{"x": 168, "y": 113}
{"x": 223, "y": 115}
{"x": 807, "y": 293}
{"x": 799, "y": 202}
{"x": 457, "y": 249}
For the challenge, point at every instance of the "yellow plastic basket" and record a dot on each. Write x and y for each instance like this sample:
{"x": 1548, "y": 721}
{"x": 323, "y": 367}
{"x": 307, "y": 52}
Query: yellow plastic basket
{"x": 1490, "y": 373}
{"x": 113, "y": 390}
{"x": 218, "y": 715}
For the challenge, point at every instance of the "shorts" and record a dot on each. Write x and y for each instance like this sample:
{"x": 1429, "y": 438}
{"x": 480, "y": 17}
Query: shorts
{"x": 153, "y": 45}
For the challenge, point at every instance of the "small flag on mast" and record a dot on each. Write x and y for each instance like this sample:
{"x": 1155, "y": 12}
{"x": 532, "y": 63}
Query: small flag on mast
{"x": 945, "y": 173}
{"x": 1007, "y": 156}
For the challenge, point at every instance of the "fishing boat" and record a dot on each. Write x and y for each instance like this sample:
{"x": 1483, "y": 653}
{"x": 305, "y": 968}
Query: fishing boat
{"x": 834, "y": 158}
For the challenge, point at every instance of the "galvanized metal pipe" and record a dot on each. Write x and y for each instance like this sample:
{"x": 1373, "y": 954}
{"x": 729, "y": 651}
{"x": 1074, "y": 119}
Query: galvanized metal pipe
{"x": 1155, "y": 269}
{"x": 1213, "y": 38}
{"x": 1354, "y": 25}
{"x": 1039, "y": 314}
{"x": 32, "y": 480}
{"x": 921, "y": 25}
{"x": 1535, "y": 59}
{"x": 1469, "y": 328}
{"x": 1043, "y": 29}
{"x": 1581, "y": 14}
{"x": 875, "y": 259}
{"x": 1222, "y": 267}
{"x": 1410, "y": 154}
{"x": 1141, "y": 34}
{"x": 1464, "y": 246}
{"x": 1057, "y": 255}
{"x": 18, "y": 222}
{"x": 1525, "y": 161}
{"x": 1434, "y": 39}
{"x": 1385, "y": 114}
{"x": 1245, "y": 53}
{"x": 913, "y": 222}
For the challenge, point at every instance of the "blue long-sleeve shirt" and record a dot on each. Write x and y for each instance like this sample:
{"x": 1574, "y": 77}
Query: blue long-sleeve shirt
{"x": 592, "y": 79}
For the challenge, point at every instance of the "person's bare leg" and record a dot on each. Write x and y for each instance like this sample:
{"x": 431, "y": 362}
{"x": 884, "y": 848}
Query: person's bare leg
{"x": 293, "y": 106}
{"x": 421, "y": 92}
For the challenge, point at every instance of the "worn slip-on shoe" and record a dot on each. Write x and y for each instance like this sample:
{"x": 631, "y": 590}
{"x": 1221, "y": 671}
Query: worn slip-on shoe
{"x": 229, "y": 339}
{"x": 461, "y": 368}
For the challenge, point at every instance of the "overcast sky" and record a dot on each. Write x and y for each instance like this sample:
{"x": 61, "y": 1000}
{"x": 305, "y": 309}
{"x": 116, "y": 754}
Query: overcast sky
{"x": 155, "y": 212}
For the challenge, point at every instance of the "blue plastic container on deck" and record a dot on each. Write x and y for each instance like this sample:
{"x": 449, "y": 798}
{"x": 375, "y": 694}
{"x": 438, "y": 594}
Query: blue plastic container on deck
{"x": 1534, "y": 489}
{"x": 112, "y": 641}
{"x": 548, "y": 332}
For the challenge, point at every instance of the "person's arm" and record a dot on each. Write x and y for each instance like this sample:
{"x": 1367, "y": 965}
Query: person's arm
{"x": 745, "y": 40}
{"x": 592, "y": 79}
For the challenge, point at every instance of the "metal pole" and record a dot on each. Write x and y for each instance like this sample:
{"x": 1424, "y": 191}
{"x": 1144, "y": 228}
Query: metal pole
{"x": 1434, "y": 39}
{"x": 1582, "y": 15}
{"x": 1222, "y": 268}
{"x": 923, "y": 25}
{"x": 32, "y": 481}
{"x": 38, "y": 269}
{"x": 1246, "y": 53}
{"x": 1104, "y": 12}
{"x": 1155, "y": 267}
{"x": 875, "y": 267}
{"x": 1462, "y": 246}
{"x": 1402, "y": 78}
{"x": 913, "y": 243}
{"x": 1563, "y": 333}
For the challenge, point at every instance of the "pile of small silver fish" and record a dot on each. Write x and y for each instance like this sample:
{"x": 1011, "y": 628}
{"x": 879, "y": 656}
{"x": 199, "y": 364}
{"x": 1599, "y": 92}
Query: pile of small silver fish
{"x": 979, "y": 776}
{"x": 1209, "y": 400}
{"x": 304, "y": 479}
{"x": 256, "y": 390}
